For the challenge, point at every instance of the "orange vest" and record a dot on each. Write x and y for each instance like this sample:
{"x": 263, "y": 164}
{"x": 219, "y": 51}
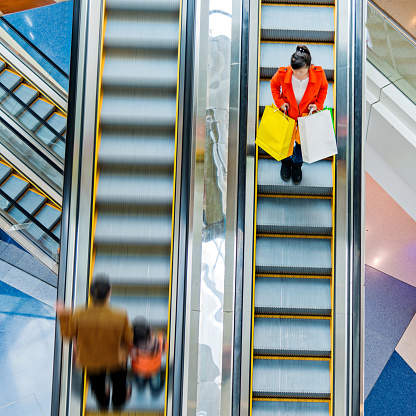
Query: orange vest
{"x": 147, "y": 364}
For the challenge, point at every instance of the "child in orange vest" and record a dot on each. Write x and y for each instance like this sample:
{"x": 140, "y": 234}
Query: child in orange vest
{"x": 146, "y": 354}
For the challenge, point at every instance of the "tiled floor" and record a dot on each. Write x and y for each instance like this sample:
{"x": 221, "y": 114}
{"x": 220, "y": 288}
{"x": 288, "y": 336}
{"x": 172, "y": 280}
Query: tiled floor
{"x": 390, "y": 306}
{"x": 27, "y": 329}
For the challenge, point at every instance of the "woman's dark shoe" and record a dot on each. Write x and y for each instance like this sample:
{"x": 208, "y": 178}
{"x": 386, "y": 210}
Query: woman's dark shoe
{"x": 297, "y": 173}
{"x": 286, "y": 170}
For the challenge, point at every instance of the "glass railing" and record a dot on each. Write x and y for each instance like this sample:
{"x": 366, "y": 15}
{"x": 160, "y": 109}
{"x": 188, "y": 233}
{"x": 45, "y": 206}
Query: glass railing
{"x": 391, "y": 50}
{"x": 52, "y": 70}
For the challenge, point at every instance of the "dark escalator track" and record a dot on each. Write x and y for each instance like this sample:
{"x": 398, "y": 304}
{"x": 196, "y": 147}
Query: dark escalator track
{"x": 293, "y": 301}
{"x": 135, "y": 157}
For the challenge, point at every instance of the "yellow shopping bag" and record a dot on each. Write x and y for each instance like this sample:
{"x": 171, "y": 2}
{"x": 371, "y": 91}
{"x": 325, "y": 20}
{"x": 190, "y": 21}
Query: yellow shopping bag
{"x": 275, "y": 133}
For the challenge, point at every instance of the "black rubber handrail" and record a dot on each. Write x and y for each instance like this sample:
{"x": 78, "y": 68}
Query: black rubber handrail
{"x": 30, "y": 216}
{"x": 27, "y": 108}
{"x": 32, "y": 146}
{"x": 24, "y": 38}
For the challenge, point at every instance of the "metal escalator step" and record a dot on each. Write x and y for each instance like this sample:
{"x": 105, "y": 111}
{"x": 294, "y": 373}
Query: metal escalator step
{"x": 138, "y": 270}
{"x": 274, "y": 408}
{"x": 42, "y": 109}
{"x": 152, "y": 110}
{"x": 14, "y": 187}
{"x": 306, "y": 2}
{"x": 291, "y": 378}
{"x": 266, "y": 97}
{"x": 294, "y": 216}
{"x": 48, "y": 216}
{"x": 57, "y": 231}
{"x": 135, "y": 190}
{"x": 58, "y": 123}
{"x": 316, "y": 179}
{"x": 127, "y": 230}
{"x": 59, "y": 148}
{"x": 292, "y": 337}
{"x": 143, "y": 150}
{"x": 143, "y": 5}
{"x": 145, "y": 31}
{"x": 293, "y": 296}
{"x": 31, "y": 202}
{"x": 10, "y": 80}
{"x": 297, "y": 23}
{"x": 154, "y": 72}
{"x": 26, "y": 94}
{"x": 275, "y": 55}
{"x": 2, "y": 65}
{"x": 5, "y": 172}
{"x": 153, "y": 308}
{"x": 293, "y": 255}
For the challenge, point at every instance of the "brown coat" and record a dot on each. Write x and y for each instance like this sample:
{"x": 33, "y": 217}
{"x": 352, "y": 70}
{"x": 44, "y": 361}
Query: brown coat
{"x": 103, "y": 336}
{"x": 282, "y": 90}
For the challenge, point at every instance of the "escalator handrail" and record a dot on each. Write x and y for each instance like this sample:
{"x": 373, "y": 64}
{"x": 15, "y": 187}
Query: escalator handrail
{"x": 27, "y": 108}
{"x": 43, "y": 55}
{"x": 30, "y": 216}
{"x": 393, "y": 23}
{"x": 34, "y": 148}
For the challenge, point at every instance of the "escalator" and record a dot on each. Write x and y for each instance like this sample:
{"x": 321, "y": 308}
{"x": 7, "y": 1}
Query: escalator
{"x": 292, "y": 356}
{"x": 134, "y": 172}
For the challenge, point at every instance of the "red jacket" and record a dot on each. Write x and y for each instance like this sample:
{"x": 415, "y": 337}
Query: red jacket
{"x": 315, "y": 93}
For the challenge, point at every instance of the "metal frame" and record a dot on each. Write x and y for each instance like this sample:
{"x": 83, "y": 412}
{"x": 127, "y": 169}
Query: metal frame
{"x": 67, "y": 392}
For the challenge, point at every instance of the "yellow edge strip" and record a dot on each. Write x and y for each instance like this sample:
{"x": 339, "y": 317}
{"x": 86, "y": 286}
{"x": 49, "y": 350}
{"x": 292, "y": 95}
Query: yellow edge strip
{"x": 29, "y": 83}
{"x": 294, "y": 276}
{"x": 290, "y": 358}
{"x": 322, "y": 237}
{"x": 34, "y": 187}
{"x": 290, "y": 399}
{"x": 95, "y": 183}
{"x": 281, "y": 316}
{"x": 293, "y": 196}
{"x": 173, "y": 206}
{"x": 255, "y": 214}
{"x": 291, "y": 42}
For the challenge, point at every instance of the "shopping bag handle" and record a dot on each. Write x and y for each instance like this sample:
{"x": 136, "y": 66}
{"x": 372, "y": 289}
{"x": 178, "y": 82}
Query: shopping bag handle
{"x": 284, "y": 112}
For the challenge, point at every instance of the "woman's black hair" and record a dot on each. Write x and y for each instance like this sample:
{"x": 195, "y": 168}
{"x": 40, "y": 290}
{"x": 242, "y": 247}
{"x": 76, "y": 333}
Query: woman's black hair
{"x": 100, "y": 287}
{"x": 301, "y": 58}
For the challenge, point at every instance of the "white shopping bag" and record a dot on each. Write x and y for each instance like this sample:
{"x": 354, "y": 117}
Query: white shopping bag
{"x": 317, "y": 136}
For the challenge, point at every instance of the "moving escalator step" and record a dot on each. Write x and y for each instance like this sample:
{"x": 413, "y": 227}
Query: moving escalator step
{"x": 300, "y": 24}
{"x": 292, "y": 337}
{"x": 275, "y": 55}
{"x": 151, "y": 271}
{"x": 42, "y": 108}
{"x": 275, "y": 408}
{"x": 14, "y": 187}
{"x": 2, "y": 65}
{"x": 317, "y": 179}
{"x": 5, "y": 172}
{"x": 294, "y": 216}
{"x": 10, "y": 80}
{"x": 291, "y": 378}
{"x": 293, "y": 255}
{"x": 48, "y": 216}
{"x": 26, "y": 94}
{"x": 57, "y": 122}
{"x": 292, "y": 296}
{"x": 31, "y": 201}
{"x": 59, "y": 148}
{"x": 57, "y": 230}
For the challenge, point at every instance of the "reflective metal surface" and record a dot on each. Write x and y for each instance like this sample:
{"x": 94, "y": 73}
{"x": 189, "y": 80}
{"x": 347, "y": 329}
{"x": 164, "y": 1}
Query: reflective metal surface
{"x": 73, "y": 273}
{"x": 212, "y": 255}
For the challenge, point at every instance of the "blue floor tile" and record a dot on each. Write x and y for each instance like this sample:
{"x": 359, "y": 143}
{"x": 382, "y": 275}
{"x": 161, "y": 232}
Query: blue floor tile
{"x": 27, "y": 330}
{"x": 389, "y": 307}
{"x": 394, "y": 392}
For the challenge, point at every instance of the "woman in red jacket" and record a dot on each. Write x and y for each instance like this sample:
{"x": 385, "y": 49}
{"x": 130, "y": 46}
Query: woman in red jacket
{"x": 298, "y": 89}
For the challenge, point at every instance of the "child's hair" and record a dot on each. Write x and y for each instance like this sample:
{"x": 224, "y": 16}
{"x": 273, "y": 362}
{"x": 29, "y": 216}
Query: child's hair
{"x": 141, "y": 331}
{"x": 301, "y": 58}
{"x": 100, "y": 287}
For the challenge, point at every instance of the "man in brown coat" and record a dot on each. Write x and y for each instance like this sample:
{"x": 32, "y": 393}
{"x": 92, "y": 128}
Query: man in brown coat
{"x": 103, "y": 337}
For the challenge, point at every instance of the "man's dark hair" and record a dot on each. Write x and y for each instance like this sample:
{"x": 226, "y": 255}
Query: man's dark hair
{"x": 100, "y": 288}
{"x": 141, "y": 331}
